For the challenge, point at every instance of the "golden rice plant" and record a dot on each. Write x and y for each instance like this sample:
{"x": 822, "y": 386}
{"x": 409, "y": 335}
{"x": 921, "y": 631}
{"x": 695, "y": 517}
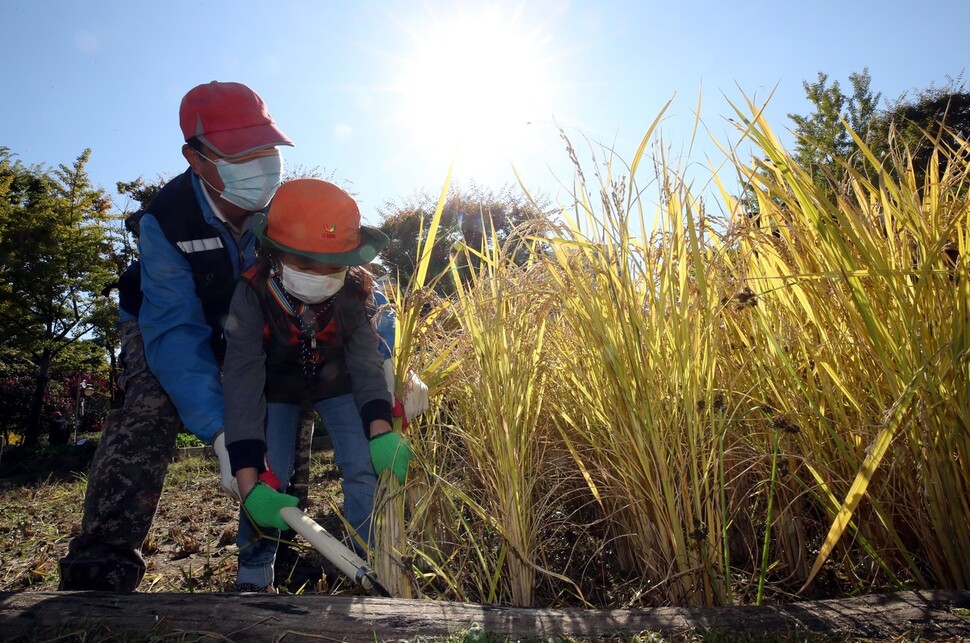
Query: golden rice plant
{"x": 390, "y": 557}
{"x": 647, "y": 418}
{"x": 726, "y": 398}
{"x": 501, "y": 427}
{"x": 861, "y": 324}
{"x": 625, "y": 333}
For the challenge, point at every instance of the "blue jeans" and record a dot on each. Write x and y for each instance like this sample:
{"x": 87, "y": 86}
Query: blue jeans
{"x": 351, "y": 453}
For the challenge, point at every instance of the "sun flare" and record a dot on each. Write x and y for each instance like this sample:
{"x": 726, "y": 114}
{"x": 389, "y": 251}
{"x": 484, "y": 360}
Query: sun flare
{"x": 472, "y": 83}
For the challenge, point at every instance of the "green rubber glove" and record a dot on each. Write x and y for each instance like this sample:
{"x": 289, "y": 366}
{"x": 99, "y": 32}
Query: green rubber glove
{"x": 263, "y": 504}
{"x": 391, "y": 451}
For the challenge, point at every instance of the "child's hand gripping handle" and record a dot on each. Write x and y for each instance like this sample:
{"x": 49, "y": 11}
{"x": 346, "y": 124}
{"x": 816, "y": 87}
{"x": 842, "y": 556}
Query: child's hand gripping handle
{"x": 345, "y": 559}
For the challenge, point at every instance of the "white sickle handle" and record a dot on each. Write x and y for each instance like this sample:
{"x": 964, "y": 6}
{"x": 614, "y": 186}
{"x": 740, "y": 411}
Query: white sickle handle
{"x": 344, "y": 558}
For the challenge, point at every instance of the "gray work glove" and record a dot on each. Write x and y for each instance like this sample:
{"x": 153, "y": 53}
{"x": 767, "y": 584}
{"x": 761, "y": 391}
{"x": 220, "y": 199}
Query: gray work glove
{"x": 228, "y": 481}
{"x": 415, "y": 396}
{"x": 415, "y": 391}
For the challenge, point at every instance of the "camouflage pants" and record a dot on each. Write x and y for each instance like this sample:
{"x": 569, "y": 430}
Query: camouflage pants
{"x": 125, "y": 481}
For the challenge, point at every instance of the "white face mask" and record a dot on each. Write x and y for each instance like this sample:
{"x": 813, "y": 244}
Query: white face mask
{"x": 250, "y": 184}
{"x": 310, "y": 288}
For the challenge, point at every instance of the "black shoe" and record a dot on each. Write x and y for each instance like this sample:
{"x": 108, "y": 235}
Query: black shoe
{"x": 98, "y": 576}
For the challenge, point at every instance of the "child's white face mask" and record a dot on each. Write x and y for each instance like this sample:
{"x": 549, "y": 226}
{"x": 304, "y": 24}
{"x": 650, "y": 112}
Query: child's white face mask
{"x": 310, "y": 288}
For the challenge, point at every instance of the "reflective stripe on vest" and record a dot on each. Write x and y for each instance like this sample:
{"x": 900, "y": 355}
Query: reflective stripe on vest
{"x": 200, "y": 245}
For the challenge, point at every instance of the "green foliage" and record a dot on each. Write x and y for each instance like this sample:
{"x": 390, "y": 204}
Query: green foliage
{"x": 822, "y": 135}
{"x": 185, "y": 440}
{"x": 934, "y": 118}
{"x": 139, "y": 190}
{"x": 54, "y": 260}
{"x": 471, "y": 216}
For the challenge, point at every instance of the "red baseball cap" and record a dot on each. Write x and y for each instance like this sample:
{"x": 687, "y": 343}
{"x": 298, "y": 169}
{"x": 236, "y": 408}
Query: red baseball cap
{"x": 229, "y": 118}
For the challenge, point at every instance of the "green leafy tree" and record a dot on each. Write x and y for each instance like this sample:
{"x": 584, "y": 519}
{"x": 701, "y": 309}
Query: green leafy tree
{"x": 52, "y": 267}
{"x": 139, "y": 193}
{"x": 919, "y": 123}
{"x": 932, "y": 118}
{"x": 469, "y": 216}
{"x": 822, "y": 138}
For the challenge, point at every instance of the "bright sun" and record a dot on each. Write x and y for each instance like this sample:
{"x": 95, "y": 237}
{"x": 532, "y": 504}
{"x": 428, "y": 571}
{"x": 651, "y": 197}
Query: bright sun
{"x": 472, "y": 84}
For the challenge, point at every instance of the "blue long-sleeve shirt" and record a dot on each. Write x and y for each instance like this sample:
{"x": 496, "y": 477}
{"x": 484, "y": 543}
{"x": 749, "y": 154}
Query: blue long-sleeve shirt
{"x": 173, "y": 326}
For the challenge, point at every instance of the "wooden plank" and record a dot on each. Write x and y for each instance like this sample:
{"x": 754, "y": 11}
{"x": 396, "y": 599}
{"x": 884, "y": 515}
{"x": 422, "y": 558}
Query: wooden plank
{"x": 253, "y": 617}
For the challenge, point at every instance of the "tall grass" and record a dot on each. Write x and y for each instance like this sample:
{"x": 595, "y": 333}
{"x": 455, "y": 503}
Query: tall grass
{"x": 696, "y": 411}
{"x": 501, "y": 397}
{"x": 390, "y": 551}
{"x": 637, "y": 336}
{"x": 878, "y": 364}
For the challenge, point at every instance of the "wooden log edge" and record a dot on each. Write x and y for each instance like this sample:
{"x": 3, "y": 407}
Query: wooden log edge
{"x": 253, "y": 617}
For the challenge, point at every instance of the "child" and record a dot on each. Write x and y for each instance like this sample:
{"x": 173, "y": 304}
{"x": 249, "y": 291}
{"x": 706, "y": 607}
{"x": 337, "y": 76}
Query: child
{"x": 299, "y": 329}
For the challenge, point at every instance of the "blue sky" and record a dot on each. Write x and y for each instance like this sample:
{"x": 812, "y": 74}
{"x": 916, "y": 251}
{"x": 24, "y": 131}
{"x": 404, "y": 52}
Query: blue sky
{"x": 383, "y": 94}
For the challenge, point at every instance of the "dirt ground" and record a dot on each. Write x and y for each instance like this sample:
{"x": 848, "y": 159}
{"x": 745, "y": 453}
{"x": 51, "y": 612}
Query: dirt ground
{"x": 191, "y": 546}
{"x": 191, "y": 558}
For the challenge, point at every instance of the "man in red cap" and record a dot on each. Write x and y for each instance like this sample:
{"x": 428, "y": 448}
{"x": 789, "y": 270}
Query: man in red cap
{"x": 194, "y": 242}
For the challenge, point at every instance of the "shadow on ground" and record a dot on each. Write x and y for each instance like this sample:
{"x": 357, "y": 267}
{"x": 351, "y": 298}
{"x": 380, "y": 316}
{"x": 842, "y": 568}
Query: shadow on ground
{"x": 25, "y": 465}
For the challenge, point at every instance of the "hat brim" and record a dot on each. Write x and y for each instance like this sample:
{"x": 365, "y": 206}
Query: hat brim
{"x": 236, "y": 142}
{"x": 372, "y": 242}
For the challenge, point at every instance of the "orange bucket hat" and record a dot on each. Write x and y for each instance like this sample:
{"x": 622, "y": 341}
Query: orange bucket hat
{"x": 316, "y": 219}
